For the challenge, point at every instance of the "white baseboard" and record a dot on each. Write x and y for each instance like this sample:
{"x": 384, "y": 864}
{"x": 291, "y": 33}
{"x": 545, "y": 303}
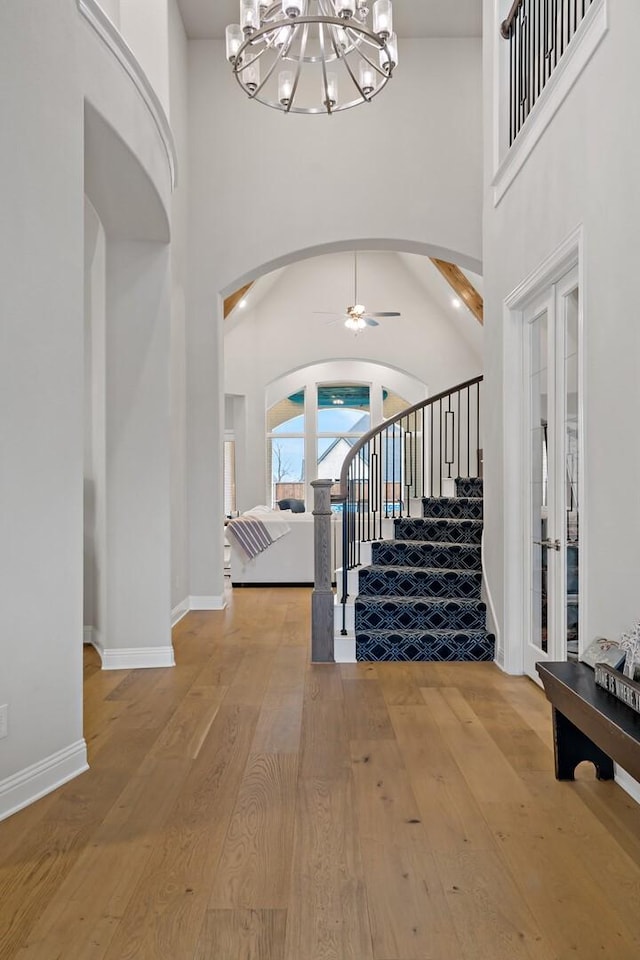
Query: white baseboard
{"x": 179, "y": 611}
{"x": 137, "y": 658}
{"x": 91, "y": 635}
{"x": 207, "y": 603}
{"x": 628, "y": 784}
{"x": 40, "y": 778}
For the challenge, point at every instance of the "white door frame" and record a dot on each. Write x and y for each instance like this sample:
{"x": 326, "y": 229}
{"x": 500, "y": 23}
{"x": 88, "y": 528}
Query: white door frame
{"x": 516, "y": 603}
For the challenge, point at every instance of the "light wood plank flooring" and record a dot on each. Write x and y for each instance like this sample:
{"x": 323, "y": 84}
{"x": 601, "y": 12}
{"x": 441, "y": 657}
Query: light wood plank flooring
{"x": 247, "y": 805}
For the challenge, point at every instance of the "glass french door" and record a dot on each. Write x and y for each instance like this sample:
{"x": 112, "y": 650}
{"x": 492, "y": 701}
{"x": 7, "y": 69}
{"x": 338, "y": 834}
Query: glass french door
{"x": 552, "y": 499}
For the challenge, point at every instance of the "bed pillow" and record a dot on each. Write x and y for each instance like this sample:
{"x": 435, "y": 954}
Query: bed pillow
{"x": 295, "y": 506}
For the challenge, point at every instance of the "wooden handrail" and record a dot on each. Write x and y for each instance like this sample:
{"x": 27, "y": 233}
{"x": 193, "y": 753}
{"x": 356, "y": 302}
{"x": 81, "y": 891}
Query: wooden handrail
{"x": 505, "y": 29}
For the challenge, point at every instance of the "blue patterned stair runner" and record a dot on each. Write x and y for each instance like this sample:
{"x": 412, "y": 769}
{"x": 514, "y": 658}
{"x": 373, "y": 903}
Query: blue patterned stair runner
{"x": 420, "y": 597}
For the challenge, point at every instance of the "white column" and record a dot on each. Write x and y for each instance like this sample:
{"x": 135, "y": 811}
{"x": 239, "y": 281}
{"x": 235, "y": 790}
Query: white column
{"x": 138, "y": 457}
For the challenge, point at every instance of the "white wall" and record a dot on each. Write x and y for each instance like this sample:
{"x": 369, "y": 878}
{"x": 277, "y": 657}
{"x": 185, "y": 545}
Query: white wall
{"x": 41, "y": 398}
{"x": 138, "y": 449}
{"x": 144, "y": 24}
{"x": 95, "y": 494}
{"x": 582, "y": 172}
{"x": 281, "y": 333}
{"x": 406, "y": 169}
{"x": 178, "y": 70}
{"x": 112, "y": 10}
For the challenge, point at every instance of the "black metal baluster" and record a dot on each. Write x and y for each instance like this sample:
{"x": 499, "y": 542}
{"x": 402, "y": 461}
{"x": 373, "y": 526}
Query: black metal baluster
{"x": 424, "y": 454}
{"x": 469, "y": 472}
{"x": 383, "y": 491}
{"x": 530, "y": 68}
{"x": 478, "y": 430}
{"x": 459, "y": 428}
{"x": 511, "y": 97}
{"x": 431, "y": 493}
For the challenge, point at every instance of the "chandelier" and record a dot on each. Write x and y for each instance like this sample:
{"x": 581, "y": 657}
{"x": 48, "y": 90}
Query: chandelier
{"x": 313, "y": 56}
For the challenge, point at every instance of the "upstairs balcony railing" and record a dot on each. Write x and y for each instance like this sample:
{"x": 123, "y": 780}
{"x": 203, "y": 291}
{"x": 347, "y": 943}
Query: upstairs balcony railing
{"x": 417, "y": 453}
{"x": 538, "y": 33}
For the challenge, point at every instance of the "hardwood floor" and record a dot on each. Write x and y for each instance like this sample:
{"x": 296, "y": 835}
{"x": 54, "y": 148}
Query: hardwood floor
{"x": 247, "y": 805}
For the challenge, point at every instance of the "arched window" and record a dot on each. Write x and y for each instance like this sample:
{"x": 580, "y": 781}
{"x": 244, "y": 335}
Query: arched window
{"x": 310, "y": 432}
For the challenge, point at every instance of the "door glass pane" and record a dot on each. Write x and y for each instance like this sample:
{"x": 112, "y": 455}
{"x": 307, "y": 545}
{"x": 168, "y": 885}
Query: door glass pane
{"x": 572, "y": 455}
{"x": 538, "y": 392}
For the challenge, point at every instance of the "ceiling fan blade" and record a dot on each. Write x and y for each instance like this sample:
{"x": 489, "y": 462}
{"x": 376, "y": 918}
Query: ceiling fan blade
{"x": 387, "y": 313}
{"x": 370, "y": 322}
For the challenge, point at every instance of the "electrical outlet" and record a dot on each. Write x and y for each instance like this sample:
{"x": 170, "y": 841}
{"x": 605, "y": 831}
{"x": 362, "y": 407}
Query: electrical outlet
{"x": 4, "y": 721}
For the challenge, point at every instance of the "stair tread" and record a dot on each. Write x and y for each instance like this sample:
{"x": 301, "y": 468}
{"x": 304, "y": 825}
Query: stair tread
{"x": 456, "y": 499}
{"x": 414, "y": 633}
{"x": 399, "y": 566}
{"x": 459, "y": 601}
{"x": 426, "y": 520}
{"x": 431, "y": 543}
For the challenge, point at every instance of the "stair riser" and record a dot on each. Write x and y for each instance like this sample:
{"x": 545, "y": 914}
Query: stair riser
{"x": 454, "y": 508}
{"x": 468, "y": 487}
{"x": 395, "y": 646}
{"x": 464, "y": 585}
{"x": 413, "y": 554}
{"x": 439, "y": 531}
{"x": 445, "y": 615}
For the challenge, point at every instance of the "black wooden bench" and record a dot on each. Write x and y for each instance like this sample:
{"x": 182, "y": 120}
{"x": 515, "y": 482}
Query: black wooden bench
{"x": 589, "y": 723}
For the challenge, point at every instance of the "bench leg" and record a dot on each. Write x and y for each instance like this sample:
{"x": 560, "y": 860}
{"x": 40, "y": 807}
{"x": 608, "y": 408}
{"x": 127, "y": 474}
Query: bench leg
{"x": 572, "y": 746}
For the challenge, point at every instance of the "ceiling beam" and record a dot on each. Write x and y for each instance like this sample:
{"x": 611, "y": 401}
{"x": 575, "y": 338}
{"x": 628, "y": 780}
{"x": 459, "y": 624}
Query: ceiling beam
{"x": 234, "y": 298}
{"x": 462, "y": 286}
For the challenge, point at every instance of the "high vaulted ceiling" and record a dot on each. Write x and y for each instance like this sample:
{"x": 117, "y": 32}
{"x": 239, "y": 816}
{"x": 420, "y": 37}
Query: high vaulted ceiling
{"x": 412, "y": 18}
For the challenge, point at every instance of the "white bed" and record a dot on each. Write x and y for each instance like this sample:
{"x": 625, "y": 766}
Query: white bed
{"x": 286, "y": 562}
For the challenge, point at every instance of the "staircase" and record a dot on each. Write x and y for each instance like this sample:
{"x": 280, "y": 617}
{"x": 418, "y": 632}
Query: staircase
{"x": 420, "y": 597}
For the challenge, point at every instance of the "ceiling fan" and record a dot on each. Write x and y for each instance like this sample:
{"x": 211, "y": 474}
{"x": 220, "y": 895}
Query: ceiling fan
{"x": 357, "y": 317}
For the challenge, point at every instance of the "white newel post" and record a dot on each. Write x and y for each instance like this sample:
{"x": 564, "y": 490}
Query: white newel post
{"x": 322, "y": 599}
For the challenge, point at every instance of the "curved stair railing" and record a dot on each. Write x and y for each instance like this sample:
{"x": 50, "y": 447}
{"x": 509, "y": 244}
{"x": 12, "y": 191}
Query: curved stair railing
{"x": 415, "y": 454}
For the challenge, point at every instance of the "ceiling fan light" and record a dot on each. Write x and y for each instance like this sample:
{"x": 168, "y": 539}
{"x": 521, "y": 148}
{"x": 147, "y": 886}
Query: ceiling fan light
{"x": 358, "y": 309}
{"x": 234, "y": 39}
{"x": 383, "y": 18}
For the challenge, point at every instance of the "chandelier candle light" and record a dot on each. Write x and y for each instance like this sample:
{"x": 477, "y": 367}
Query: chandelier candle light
{"x": 313, "y": 56}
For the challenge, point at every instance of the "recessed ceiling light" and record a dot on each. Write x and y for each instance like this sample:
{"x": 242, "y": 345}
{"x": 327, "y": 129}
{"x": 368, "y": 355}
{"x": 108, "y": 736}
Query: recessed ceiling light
{"x": 456, "y": 303}
{"x": 242, "y": 304}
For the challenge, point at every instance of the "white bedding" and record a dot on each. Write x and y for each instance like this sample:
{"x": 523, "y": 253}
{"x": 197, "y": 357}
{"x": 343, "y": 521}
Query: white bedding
{"x": 290, "y": 560}
{"x": 256, "y": 530}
